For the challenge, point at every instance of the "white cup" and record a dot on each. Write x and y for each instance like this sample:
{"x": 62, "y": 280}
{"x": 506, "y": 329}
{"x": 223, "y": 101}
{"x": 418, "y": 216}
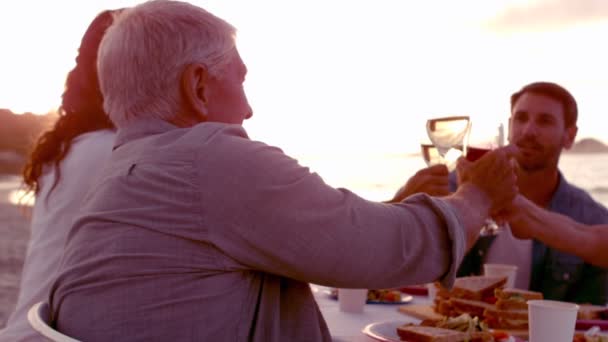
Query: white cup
{"x": 551, "y": 320}
{"x": 501, "y": 270}
{"x": 352, "y": 300}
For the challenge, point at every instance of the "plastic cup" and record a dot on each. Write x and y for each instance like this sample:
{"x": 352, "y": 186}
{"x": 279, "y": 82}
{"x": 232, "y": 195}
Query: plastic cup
{"x": 551, "y": 320}
{"x": 352, "y": 300}
{"x": 501, "y": 270}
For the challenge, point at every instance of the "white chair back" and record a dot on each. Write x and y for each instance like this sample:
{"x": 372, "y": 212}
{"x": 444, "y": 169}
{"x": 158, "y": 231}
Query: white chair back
{"x": 40, "y": 318}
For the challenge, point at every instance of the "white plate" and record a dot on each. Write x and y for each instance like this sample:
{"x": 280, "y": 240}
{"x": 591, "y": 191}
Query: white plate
{"x": 387, "y": 331}
{"x": 383, "y": 331}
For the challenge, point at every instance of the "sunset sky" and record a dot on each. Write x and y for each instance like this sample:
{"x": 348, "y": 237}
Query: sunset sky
{"x": 338, "y": 76}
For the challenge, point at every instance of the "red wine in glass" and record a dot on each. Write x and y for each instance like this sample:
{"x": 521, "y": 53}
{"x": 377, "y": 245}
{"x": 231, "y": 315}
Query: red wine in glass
{"x": 490, "y": 227}
{"x": 474, "y": 153}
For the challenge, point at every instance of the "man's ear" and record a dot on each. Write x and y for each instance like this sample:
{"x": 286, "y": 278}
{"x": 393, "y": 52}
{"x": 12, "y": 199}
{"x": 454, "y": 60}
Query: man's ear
{"x": 570, "y": 136}
{"x": 194, "y": 82}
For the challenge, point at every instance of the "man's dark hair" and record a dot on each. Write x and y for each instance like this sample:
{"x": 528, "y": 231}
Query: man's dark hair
{"x": 554, "y": 91}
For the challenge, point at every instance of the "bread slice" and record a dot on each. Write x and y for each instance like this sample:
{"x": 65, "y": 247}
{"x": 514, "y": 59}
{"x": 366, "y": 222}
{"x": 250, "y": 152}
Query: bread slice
{"x": 508, "y": 293}
{"x": 514, "y": 299}
{"x": 506, "y": 319}
{"x": 472, "y": 307}
{"x": 476, "y": 287}
{"x": 418, "y": 333}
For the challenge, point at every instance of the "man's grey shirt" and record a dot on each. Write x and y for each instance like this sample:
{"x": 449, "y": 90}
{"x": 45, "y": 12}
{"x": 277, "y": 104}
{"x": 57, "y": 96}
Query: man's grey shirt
{"x": 201, "y": 234}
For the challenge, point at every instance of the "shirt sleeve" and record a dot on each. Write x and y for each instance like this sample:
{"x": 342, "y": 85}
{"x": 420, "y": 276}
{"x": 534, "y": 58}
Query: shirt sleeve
{"x": 266, "y": 212}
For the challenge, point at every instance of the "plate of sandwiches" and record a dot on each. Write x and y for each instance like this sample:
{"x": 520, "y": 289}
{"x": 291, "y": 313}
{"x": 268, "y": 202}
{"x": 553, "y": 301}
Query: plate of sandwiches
{"x": 499, "y": 308}
{"x": 484, "y": 298}
{"x": 383, "y": 296}
{"x": 455, "y": 329}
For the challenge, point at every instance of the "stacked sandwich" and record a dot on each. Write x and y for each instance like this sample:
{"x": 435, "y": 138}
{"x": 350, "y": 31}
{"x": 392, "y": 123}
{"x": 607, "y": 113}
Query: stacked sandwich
{"x": 470, "y": 295}
{"x": 451, "y": 329}
{"x": 511, "y": 309}
{"x": 485, "y": 297}
{"x": 420, "y": 333}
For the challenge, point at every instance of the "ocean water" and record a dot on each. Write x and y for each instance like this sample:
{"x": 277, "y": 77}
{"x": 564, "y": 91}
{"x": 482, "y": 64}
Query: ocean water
{"x": 377, "y": 177}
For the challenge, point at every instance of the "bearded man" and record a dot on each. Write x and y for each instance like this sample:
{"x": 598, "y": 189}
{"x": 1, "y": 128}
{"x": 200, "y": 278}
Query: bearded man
{"x": 542, "y": 124}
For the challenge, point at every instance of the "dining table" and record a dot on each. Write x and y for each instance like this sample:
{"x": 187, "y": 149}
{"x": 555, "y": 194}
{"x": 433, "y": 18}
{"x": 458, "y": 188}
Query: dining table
{"x": 346, "y": 326}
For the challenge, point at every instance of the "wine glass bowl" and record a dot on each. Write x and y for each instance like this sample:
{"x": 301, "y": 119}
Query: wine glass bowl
{"x": 482, "y": 139}
{"x": 430, "y": 154}
{"x": 448, "y": 136}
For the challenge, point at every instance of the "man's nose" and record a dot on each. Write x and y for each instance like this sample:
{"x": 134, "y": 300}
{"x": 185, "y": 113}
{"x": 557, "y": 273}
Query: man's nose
{"x": 530, "y": 128}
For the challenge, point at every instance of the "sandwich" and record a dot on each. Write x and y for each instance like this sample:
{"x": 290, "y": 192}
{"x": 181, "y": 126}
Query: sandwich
{"x": 506, "y": 319}
{"x": 448, "y": 329}
{"x": 514, "y": 299}
{"x": 474, "y": 287}
{"x": 474, "y": 308}
{"x": 470, "y": 295}
{"x": 418, "y": 333}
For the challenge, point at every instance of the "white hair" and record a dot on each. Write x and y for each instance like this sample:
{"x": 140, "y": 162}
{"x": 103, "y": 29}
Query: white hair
{"x": 143, "y": 54}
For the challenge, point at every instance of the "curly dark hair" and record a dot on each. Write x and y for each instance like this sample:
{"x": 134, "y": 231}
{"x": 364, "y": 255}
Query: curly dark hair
{"x": 81, "y": 107}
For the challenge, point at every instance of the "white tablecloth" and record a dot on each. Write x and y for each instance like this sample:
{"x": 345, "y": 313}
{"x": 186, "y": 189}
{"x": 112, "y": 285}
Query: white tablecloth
{"x": 345, "y": 326}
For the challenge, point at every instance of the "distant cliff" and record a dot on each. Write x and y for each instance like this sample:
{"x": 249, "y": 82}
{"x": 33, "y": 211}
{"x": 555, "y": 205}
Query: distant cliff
{"x": 17, "y": 134}
{"x": 588, "y": 145}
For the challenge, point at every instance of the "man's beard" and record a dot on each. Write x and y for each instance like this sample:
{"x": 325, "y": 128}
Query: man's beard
{"x": 543, "y": 157}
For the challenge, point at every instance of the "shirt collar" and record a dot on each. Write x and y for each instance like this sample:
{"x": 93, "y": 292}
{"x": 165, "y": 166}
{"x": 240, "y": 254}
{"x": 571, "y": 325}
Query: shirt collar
{"x": 140, "y": 129}
{"x": 562, "y": 190}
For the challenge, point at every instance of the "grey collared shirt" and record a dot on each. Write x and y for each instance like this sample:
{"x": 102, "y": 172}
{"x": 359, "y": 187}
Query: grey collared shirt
{"x": 202, "y": 234}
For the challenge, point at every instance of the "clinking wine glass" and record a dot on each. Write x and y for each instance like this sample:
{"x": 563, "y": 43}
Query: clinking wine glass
{"x": 430, "y": 154}
{"x": 448, "y": 136}
{"x": 480, "y": 142}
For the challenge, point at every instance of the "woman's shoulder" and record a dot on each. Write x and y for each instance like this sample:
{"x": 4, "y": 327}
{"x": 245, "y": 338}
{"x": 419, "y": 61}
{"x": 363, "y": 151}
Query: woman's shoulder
{"x": 102, "y": 135}
{"x": 91, "y": 145}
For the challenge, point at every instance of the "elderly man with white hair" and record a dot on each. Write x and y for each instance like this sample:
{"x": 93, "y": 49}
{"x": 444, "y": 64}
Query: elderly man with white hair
{"x": 197, "y": 233}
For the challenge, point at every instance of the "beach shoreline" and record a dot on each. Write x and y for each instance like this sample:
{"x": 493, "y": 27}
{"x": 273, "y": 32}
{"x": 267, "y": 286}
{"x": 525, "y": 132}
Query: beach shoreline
{"x": 15, "y": 232}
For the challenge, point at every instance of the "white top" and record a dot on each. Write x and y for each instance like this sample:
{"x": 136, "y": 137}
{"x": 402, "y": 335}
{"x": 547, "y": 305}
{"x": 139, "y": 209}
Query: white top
{"x": 507, "y": 249}
{"x": 51, "y": 220}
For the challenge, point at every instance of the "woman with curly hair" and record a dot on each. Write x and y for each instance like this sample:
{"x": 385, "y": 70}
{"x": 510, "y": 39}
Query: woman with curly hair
{"x": 60, "y": 168}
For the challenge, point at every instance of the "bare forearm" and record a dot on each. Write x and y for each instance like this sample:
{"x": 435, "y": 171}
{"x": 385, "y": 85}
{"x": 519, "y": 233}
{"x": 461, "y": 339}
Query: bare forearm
{"x": 562, "y": 233}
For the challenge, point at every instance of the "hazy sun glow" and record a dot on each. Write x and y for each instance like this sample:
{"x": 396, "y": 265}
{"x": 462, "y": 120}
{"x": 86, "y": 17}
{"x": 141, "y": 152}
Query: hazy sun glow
{"x": 347, "y": 77}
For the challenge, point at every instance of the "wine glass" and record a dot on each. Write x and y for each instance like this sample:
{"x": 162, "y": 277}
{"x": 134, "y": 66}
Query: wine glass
{"x": 479, "y": 142}
{"x": 448, "y": 135}
{"x": 430, "y": 154}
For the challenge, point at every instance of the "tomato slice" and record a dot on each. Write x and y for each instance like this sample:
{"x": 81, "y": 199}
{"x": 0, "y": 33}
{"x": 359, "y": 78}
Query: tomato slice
{"x": 499, "y": 334}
